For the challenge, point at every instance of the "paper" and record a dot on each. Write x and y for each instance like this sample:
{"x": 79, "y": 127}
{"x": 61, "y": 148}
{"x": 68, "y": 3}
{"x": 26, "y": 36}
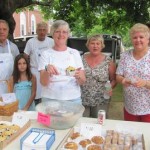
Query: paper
{"x": 9, "y": 98}
{"x": 44, "y": 119}
{"x": 90, "y": 129}
{"x": 19, "y": 119}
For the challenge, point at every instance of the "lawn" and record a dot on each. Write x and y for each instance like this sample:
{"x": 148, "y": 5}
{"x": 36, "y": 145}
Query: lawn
{"x": 117, "y": 93}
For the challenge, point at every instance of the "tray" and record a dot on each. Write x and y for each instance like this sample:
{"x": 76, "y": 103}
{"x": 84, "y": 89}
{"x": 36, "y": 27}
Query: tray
{"x": 15, "y": 135}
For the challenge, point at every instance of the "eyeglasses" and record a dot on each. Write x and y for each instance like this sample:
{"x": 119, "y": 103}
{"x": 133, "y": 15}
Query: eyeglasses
{"x": 62, "y": 32}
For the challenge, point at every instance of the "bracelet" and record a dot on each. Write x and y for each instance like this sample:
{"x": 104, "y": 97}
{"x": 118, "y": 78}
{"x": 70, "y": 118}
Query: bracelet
{"x": 46, "y": 68}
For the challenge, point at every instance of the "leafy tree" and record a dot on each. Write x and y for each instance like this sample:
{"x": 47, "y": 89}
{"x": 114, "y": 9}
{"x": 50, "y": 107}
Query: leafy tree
{"x": 8, "y": 7}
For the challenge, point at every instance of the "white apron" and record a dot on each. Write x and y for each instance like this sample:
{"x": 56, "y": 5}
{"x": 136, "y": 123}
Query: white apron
{"x": 6, "y": 69}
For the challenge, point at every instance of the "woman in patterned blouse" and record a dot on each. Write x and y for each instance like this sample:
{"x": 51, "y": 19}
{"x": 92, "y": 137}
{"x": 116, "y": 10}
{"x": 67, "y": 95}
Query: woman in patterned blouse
{"x": 133, "y": 73}
{"x": 99, "y": 68}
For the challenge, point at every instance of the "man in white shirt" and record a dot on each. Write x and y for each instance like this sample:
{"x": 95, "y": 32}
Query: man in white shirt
{"x": 34, "y": 49}
{"x": 8, "y": 52}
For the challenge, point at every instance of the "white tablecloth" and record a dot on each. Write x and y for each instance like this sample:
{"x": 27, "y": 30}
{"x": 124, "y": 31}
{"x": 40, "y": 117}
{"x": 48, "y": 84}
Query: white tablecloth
{"x": 143, "y": 128}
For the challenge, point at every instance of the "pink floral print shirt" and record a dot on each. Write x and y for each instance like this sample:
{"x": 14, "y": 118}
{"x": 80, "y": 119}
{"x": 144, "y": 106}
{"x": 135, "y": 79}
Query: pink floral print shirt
{"x": 137, "y": 100}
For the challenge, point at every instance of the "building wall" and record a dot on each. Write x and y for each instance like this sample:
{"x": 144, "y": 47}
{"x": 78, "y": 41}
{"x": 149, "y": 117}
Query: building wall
{"x": 27, "y": 22}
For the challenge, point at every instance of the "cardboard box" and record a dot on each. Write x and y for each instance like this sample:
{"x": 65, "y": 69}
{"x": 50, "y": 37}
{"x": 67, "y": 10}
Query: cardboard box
{"x": 15, "y": 135}
{"x": 37, "y": 139}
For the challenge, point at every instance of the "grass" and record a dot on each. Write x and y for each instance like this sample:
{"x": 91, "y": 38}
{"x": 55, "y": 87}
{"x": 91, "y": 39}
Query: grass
{"x": 117, "y": 93}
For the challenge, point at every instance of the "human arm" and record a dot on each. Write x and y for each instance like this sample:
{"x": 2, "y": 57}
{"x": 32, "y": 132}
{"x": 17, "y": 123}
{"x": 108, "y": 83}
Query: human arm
{"x": 10, "y": 85}
{"x": 33, "y": 93}
{"x": 112, "y": 74}
{"x": 80, "y": 76}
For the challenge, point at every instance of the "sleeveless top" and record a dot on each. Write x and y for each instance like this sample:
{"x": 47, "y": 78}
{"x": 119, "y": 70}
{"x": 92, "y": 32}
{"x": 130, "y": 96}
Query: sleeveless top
{"x": 93, "y": 89}
{"x": 23, "y": 93}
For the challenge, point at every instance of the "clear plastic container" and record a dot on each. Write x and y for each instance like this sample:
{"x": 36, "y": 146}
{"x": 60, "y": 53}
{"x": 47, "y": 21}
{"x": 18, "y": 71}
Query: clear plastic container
{"x": 64, "y": 114}
{"x": 107, "y": 89}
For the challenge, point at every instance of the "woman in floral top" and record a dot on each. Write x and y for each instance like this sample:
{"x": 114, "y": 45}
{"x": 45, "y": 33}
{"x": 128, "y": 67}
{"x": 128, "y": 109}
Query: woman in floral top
{"x": 133, "y": 73}
{"x": 98, "y": 69}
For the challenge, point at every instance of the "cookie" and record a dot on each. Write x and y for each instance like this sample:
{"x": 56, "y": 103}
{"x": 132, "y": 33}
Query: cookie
{"x": 2, "y": 138}
{"x": 84, "y": 143}
{"x": 71, "y": 146}
{"x": 97, "y": 140}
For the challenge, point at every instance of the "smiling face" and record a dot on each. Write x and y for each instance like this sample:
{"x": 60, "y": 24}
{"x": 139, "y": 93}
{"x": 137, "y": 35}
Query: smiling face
{"x": 140, "y": 41}
{"x": 61, "y": 35}
{"x": 140, "y": 35}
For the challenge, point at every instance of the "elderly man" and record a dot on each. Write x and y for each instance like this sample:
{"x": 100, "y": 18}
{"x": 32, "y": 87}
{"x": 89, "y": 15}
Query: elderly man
{"x": 8, "y": 51}
{"x": 33, "y": 50}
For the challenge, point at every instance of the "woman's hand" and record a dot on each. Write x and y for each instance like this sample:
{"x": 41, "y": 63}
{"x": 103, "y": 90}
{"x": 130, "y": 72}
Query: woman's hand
{"x": 126, "y": 82}
{"x": 139, "y": 83}
{"x": 51, "y": 69}
{"x": 80, "y": 76}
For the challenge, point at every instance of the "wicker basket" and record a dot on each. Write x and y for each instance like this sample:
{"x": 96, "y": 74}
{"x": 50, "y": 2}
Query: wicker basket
{"x": 9, "y": 109}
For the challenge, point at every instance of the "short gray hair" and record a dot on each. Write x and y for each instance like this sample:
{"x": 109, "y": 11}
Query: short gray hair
{"x": 5, "y": 22}
{"x": 57, "y": 24}
{"x": 139, "y": 27}
{"x": 42, "y": 24}
{"x": 96, "y": 37}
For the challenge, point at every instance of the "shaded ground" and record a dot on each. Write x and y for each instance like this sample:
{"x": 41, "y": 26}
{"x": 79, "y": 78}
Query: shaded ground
{"x": 115, "y": 110}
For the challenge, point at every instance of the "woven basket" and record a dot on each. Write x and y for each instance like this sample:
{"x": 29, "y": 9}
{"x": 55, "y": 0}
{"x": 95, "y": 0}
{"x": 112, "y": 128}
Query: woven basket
{"x": 8, "y": 109}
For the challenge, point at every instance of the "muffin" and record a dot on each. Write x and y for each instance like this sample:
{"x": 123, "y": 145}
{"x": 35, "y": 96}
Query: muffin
{"x": 75, "y": 135}
{"x": 84, "y": 143}
{"x": 97, "y": 140}
{"x": 71, "y": 146}
{"x": 94, "y": 147}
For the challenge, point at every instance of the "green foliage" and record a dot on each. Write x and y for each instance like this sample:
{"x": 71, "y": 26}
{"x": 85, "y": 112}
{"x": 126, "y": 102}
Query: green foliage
{"x": 99, "y": 16}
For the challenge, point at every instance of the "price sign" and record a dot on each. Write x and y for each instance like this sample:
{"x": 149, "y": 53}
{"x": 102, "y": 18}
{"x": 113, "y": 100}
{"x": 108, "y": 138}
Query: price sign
{"x": 90, "y": 129}
{"x": 9, "y": 97}
{"x": 44, "y": 119}
{"x": 19, "y": 119}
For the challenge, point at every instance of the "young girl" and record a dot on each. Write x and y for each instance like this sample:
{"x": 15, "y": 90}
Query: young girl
{"x": 23, "y": 83}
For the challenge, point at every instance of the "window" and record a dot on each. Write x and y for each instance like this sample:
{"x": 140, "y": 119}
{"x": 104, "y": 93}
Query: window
{"x": 22, "y": 24}
{"x": 33, "y": 24}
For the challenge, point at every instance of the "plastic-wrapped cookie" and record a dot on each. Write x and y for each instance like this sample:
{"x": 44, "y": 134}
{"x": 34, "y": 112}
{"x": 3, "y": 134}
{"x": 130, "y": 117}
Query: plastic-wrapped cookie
{"x": 84, "y": 142}
{"x": 97, "y": 139}
{"x": 71, "y": 146}
{"x": 94, "y": 147}
{"x": 75, "y": 135}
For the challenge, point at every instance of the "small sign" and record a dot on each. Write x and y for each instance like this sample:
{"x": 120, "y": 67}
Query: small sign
{"x": 19, "y": 119}
{"x": 9, "y": 98}
{"x": 44, "y": 119}
{"x": 90, "y": 129}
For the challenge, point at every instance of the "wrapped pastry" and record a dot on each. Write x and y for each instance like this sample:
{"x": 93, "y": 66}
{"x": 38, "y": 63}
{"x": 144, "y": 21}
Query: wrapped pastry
{"x": 108, "y": 139}
{"x": 70, "y": 71}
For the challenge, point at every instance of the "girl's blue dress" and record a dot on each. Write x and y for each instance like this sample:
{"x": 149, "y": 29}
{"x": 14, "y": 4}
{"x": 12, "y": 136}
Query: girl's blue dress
{"x": 23, "y": 92}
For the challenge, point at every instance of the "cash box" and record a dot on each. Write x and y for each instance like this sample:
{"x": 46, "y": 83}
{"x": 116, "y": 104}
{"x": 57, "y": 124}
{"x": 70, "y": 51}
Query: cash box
{"x": 37, "y": 139}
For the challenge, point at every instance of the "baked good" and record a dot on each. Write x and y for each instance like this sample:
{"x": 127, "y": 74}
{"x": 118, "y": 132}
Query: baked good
{"x": 14, "y": 127}
{"x": 94, "y": 147}
{"x": 70, "y": 71}
{"x": 3, "y": 138}
{"x": 97, "y": 140}
{"x": 71, "y": 145}
{"x": 75, "y": 135}
{"x": 85, "y": 142}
